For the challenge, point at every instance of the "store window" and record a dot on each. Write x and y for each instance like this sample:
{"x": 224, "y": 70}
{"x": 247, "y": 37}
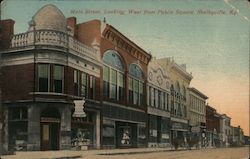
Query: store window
{"x": 108, "y": 133}
{"x": 18, "y": 128}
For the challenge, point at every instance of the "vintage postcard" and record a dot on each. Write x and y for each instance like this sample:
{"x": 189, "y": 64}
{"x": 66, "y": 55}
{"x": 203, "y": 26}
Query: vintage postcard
{"x": 92, "y": 79}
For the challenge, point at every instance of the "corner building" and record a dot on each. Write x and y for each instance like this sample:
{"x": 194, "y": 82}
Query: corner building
{"x": 44, "y": 71}
{"x": 123, "y": 80}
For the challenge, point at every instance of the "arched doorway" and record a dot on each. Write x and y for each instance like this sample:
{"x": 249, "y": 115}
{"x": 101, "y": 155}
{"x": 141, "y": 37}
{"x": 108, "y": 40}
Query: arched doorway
{"x": 50, "y": 128}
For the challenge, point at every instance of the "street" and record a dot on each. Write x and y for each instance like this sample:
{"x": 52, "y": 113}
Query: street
{"x": 224, "y": 153}
{"x": 146, "y": 153}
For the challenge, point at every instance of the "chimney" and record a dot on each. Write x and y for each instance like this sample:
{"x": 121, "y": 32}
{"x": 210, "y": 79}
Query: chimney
{"x": 6, "y": 33}
{"x": 71, "y": 22}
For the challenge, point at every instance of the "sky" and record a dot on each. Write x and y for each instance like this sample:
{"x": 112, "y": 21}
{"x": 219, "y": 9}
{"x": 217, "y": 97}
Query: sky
{"x": 210, "y": 36}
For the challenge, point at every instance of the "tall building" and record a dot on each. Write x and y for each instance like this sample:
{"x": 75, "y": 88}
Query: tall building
{"x": 158, "y": 105}
{"x": 179, "y": 101}
{"x": 45, "y": 71}
{"x": 197, "y": 115}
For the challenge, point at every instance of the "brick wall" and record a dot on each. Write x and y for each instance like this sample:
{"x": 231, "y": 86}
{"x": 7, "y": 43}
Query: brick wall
{"x": 6, "y": 33}
{"x": 17, "y": 82}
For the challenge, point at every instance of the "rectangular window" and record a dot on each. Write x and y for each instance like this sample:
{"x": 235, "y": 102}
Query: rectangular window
{"x": 120, "y": 86}
{"x": 43, "y": 78}
{"x": 153, "y": 97}
{"x": 167, "y": 101}
{"x": 141, "y": 94}
{"x": 58, "y": 79}
{"x": 130, "y": 87}
{"x": 84, "y": 85}
{"x": 164, "y": 100}
{"x": 113, "y": 84}
{"x": 92, "y": 87}
{"x": 76, "y": 82}
{"x": 156, "y": 98}
{"x": 159, "y": 99}
{"x": 135, "y": 92}
{"x": 106, "y": 81}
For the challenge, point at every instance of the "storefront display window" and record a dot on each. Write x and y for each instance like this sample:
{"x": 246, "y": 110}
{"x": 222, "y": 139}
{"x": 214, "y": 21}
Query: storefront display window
{"x": 108, "y": 133}
{"x": 141, "y": 135}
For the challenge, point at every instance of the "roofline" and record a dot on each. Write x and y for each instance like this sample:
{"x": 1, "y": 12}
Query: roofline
{"x": 113, "y": 28}
{"x": 198, "y": 92}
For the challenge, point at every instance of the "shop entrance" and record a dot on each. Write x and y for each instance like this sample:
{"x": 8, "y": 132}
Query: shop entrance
{"x": 50, "y": 129}
{"x": 126, "y": 135}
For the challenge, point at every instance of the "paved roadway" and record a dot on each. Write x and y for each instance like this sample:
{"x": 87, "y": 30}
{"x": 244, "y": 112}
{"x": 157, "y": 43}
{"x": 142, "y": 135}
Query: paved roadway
{"x": 221, "y": 153}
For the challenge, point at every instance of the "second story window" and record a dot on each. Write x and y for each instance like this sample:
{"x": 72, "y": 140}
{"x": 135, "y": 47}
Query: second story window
{"x": 84, "y": 84}
{"x": 43, "y": 78}
{"x": 58, "y": 79}
{"x": 113, "y": 76}
{"x": 92, "y": 87}
{"x": 76, "y": 83}
{"x": 136, "y": 85}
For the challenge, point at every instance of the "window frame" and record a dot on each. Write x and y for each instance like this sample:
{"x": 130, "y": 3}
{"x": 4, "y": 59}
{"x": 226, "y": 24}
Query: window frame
{"x": 62, "y": 78}
{"x": 48, "y": 76}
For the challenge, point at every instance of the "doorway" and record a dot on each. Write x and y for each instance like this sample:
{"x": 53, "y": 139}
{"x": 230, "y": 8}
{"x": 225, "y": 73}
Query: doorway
{"x": 50, "y": 129}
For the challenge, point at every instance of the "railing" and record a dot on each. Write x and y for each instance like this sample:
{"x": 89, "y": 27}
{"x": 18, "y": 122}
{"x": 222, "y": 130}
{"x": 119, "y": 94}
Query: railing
{"x": 54, "y": 39}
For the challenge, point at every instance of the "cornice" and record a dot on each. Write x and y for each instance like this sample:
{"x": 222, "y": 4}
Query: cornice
{"x": 126, "y": 44}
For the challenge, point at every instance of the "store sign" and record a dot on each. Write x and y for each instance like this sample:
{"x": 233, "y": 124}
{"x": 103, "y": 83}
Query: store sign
{"x": 165, "y": 136}
{"x": 79, "y": 106}
{"x": 195, "y": 129}
{"x": 176, "y": 126}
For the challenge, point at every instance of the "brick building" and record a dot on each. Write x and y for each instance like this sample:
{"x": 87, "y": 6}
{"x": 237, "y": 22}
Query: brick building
{"x": 123, "y": 84}
{"x": 57, "y": 64}
{"x": 44, "y": 71}
{"x": 213, "y": 126}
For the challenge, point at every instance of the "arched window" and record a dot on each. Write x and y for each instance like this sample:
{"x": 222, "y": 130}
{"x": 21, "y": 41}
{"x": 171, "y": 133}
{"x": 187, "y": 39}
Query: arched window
{"x": 136, "y": 85}
{"x": 113, "y": 59}
{"x": 136, "y": 71}
{"x": 113, "y": 75}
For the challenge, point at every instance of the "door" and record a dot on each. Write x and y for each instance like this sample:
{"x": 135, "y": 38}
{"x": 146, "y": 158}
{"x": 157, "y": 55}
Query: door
{"x": 50, "y": 129}
{"x": 49, "y": 136}
{"x": 45, "y": 141}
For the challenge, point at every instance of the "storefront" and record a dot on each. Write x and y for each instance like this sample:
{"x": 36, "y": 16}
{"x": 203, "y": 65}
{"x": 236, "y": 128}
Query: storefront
{"x": 85, "y": 126}
{"x": 159, "y": 130}
{"x": 123, "y": 128}
{"x": 179, "y": 132}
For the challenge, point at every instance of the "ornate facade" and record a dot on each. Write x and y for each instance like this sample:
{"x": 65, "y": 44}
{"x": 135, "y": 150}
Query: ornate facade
{"x": 179, "y": 100}
{"x": 158, "y": 105}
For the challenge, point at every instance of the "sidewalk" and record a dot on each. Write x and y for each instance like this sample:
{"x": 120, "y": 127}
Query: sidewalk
{"x": 64, "y": 154}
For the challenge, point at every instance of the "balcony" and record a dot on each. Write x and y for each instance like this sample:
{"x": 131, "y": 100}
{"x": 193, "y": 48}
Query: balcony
{"x": 52, "y": 39}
